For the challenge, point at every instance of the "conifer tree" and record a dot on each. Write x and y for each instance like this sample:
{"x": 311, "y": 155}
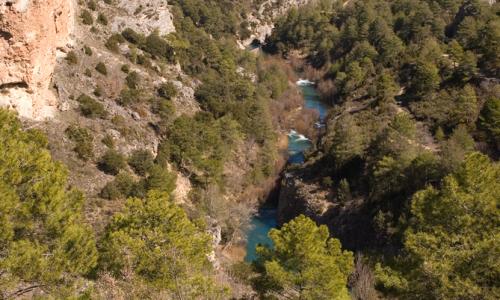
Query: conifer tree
{"x": 43, "y": 238}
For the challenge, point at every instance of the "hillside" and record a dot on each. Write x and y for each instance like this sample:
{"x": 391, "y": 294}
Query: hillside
{"x": 139, "y": 140}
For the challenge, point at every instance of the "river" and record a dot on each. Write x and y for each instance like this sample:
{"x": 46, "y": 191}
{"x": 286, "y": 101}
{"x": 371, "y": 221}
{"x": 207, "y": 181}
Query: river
{"x": 266, "y": 218}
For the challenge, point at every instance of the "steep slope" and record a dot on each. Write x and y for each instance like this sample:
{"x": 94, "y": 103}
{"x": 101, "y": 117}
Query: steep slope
{"x": 31, "y": 33}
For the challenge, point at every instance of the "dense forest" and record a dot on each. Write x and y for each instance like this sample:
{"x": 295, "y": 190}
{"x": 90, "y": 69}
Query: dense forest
{"x": 415, "y": 90}
{"x": 411, "y": 146}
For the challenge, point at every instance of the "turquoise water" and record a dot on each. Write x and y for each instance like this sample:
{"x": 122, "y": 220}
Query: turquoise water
{"x": 313, "y": 100}
{"x": 266, "y": 218}
{"x": 261, "y": 224}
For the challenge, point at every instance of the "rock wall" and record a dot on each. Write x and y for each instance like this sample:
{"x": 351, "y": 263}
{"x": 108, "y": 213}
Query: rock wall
{"x": 144, "y": 16}
{"x": 298, "y": 197}
{"x": 30, "y": 33}
{"x": 349, "y": 222}
{"x": 265, "y": 16}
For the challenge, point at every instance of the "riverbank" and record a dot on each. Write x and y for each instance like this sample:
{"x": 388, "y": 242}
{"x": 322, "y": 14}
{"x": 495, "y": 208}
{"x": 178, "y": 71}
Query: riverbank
{"x": 296, "y": 144}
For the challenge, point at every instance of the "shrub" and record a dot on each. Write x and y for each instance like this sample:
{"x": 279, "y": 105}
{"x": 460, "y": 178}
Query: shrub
{"x": 98, "y": 91}
{"x": 327, "y": 181}
{"x": 90, "y": 107}
{"x": 128, "y": 96}
{"x": 111, "y": 162}
{"x": 144, "y": 61}
{"x": 121, "y": 187}
{"x": 87, "y": 72}
{"x": 125, "y": 69}
{"x": 87, "y": 50}
{"x": 167, "y": 90}
{"x": 101, "y": 68}
{"x": 110, "y": 191}
{"x": 113, "y": 41}
{"x": 133, "y": 37}
{"x": 161, "y": 179}
{"x": 157, "y": 46}
{"x": 102, "y": 19}
{"x": 141, "y": 161}
{"x": 83, "y": 140}
{"x": 163, "y": 107}
{"x": 87, "y": 18}
{"x": 133, "y": 80}
{"x": 92, "y": 5}
{"x": 71, "y": 58}
{"x": 108, "y": 141}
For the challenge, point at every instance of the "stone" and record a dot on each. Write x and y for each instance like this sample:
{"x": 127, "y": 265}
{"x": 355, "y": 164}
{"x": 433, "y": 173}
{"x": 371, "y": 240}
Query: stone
{"x": 30, "y": 33}
{"x": 144, "y": 16}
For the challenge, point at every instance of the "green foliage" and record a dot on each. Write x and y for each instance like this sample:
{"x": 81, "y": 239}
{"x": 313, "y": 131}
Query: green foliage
{"x": 83, "y": 139}
{"x": 141, "y": 161}
{"x": 112, "y": 162}
{"x": 153, "y": 241}
{"x": 86, "y": 17}
{"x": 102, "y": 19}
{"x": 98, "y": 91}
{"x": 133, "y": 79}
{"x": 87, "y": 50}
{"x": 92, "y": 5}
{"x": 114, "y": 41}
{"x": 426, "y": 78}
{"x": 274, "y": 79}
{"x": 490, "y": 119}
{"x": 129, "y": 97}
{"x": 160, "y": 179}
{"x": 158, "y": 47}
{"x": 347, "y": 141}
{"x": 91, "y": 108}
{"x": 304, "y": 262}
{"x": 167, "y": 90}
{"x": 125, "y": 69}
{"x": 344, "y": 191}
{"x": 133, "y": 37}
{"x": 108, "y": 141}
{"x": 72, "y": 58}
{"x": 122, "y": 186}
{"x": 202, "y": 143}
{"x": 452, "y": 240}
{"x": 101, "y": 68}
{"x": 43, "y": 238}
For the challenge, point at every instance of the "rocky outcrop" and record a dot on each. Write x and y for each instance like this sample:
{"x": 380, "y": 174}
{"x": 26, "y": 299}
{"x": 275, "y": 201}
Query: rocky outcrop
{"x": 298, "y": 197}
{"x": 144, "y": 16}
{"x": 30, "y": 33}
{"x": 350, "y": 221}
{"x": 262, "y": 20}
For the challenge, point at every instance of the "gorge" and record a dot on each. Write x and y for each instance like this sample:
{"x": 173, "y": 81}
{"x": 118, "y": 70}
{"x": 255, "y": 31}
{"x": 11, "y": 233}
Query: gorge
{"x": 267, "y": 215}
{"x": 148, "y": 146}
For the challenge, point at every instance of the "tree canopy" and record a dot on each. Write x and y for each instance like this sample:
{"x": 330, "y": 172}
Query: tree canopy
{"x": 452, "y": 241}
{"x": 43, "y": 237}
{"x": 304, "y": 262}
{"x": 153, "y": 241}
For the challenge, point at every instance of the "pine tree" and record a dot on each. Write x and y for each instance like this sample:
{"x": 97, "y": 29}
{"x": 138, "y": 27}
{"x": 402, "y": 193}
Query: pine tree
{"x": 305, "y": 263}
{"x": 153, "y": 241}
{"x": 43, "y": 238}
{"x": 452, "y": 240}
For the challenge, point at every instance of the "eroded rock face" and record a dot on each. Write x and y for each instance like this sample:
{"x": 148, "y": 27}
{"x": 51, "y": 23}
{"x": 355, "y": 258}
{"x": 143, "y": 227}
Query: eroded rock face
{"x": 30, "y": 33}
{"x": 267, "y": 13}
{"x": 144, "y": 16}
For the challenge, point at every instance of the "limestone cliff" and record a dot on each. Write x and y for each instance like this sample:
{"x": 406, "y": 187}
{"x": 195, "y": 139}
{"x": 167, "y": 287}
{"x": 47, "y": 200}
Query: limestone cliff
{"x": 30, "y": 33}
{"x": 263, "y": 18}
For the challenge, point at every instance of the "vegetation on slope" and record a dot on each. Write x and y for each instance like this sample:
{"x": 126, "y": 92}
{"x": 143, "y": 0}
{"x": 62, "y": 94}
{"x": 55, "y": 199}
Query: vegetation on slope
{"x": 414, "y": 84}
